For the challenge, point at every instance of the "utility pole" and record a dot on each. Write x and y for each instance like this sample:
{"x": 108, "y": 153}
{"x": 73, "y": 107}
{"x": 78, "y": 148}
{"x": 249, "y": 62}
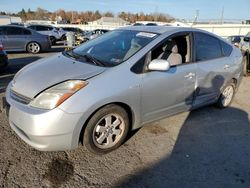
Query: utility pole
{"x": 197, "y": 13}
{"x": 222, "y": 15}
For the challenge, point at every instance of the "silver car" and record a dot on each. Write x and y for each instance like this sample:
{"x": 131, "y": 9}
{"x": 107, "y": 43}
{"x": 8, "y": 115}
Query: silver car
{"x": 18, "y": 38}
{"x": 98, "y": 92}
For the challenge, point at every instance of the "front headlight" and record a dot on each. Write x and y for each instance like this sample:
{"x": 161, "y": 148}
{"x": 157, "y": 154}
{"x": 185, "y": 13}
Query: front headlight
{"x": 56, "y": 95}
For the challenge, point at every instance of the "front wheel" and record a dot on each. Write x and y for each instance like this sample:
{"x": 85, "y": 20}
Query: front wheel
{"x": 226, "y": 96}
{"x": 106, "y": 130}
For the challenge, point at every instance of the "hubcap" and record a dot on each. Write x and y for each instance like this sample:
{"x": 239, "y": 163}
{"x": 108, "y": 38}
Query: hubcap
{"x": 227, "y": 95}
{"x": 108, "y": 131}
{"x": 33, "y": 47}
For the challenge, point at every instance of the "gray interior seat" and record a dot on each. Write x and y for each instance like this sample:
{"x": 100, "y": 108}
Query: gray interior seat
{"x": 170, "y": 53}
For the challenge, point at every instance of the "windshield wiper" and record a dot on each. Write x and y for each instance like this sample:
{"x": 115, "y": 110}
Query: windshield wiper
{"x": 92, "y": 59}
{"x": 85, "y": 56}
{"x": 70, "y": 53}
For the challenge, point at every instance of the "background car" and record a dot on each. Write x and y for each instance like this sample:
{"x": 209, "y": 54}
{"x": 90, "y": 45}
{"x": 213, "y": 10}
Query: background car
{"x": 245, "y": 48}
{"x": 48, "y": 30}
{"x": 75, "y": 30}
{"x": 236, "y": 39}
{"x": 3, "y": 58}
{"x": 93, "y": 34}
{"x": 18, "y": 38}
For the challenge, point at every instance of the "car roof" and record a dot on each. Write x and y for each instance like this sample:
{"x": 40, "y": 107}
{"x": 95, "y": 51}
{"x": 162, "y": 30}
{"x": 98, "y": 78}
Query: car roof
{"x": 43, "y": 25}
{"x": 19, "y": 26}
{"x": 162, "y": 29}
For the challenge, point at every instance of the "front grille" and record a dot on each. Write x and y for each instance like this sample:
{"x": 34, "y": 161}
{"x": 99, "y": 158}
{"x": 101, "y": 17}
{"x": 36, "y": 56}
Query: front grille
{"x": 19, "y": 98}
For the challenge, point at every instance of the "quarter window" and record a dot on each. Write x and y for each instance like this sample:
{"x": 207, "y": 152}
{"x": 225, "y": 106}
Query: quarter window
{"x": 207, "y": 47}
{"x": 26, "y": 32}
{"x": 227, "y": 49}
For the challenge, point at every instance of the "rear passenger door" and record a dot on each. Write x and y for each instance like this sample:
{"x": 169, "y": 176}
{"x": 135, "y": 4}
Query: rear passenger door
{"x": 213, "y": 67}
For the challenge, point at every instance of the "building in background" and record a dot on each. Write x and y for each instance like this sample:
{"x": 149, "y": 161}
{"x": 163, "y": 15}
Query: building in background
{"x": 5, "y": 20}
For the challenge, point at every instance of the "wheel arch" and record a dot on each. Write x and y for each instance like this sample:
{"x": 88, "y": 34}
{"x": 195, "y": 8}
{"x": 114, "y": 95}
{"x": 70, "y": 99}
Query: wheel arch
{"x": 125, "y": 106}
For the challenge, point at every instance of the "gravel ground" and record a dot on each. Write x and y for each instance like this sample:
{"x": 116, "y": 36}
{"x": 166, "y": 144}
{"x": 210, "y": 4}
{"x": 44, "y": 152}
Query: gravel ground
{"x": 208, "y": 147}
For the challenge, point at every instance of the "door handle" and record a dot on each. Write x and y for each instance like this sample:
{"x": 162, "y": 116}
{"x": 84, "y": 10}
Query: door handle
{"x": 226, "y": 66}
{"x": 190, "y": 75}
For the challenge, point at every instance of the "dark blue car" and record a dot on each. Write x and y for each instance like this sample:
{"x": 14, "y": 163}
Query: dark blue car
{"x": 3, "y": 58}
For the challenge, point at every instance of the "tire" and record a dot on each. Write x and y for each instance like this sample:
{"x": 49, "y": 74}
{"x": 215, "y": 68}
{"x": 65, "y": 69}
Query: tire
{"x": 226, "y": 96}
{"x": 106, "y": 130}
{"x": 33, "y": 47}
{"x": 52, "y": 40}
{"x": 4, "y": 63}
{"x": 246, "y": 65}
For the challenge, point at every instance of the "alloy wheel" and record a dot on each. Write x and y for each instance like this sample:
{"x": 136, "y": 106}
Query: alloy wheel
{"x": 227, "y": 95}
{"x": 108, "y": 131}
{"x": 33, "y": 47}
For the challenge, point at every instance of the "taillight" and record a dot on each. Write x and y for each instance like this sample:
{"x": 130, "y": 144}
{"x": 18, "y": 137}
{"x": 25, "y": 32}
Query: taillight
{"x": 1, "y": 47}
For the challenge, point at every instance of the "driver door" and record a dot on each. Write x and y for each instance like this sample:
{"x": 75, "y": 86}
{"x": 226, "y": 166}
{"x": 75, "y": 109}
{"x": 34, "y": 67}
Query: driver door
{"x": 168, "y": 92}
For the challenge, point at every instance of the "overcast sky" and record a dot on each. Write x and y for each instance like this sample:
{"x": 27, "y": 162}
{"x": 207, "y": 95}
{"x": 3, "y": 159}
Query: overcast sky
{"x": 208, "y": 9}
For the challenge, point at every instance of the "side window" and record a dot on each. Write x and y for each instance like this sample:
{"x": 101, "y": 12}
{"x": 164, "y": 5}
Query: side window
{"x": 26, "y": 32}
{"x": 40, "y": 28}
{"x": 14, "y": 31}
{"x": 226, "y": 48}
{"x": 176, "y": 50}
{"x": 207, "y": 47}
{"x": 32, "y": 27}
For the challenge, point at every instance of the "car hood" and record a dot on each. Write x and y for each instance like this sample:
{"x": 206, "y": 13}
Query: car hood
{"x": 46, "y": 72}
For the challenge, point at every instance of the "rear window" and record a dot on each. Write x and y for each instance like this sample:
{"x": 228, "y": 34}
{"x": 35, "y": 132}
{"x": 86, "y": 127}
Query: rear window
{"x": 226, "y": 48}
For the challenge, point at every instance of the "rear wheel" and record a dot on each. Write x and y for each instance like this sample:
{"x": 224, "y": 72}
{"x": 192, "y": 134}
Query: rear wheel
{"x": 33, "y": 47}
{"x": 226, "y": 96}
{"x": 106, "y": 129}
{"x": 246, "y": 65}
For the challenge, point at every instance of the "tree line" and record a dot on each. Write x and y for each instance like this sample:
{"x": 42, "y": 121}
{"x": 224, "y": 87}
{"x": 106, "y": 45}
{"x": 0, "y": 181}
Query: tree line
{"x": 87, "y": 16}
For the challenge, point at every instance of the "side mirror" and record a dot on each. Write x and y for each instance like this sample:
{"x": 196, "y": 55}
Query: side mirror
{"x": 246, "y": 39}
{"x": 159, "y": 65}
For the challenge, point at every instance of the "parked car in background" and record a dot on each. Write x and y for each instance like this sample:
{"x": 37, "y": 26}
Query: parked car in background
{"x": 78, "y": 33}
{"x": 62, "y": 34}
{"x": 75, "y": 30}
{"x": 48, "y": 30}
{"x": 151, "y": 24}
{"x": 236, "y": 40}
{"x": 245, "y": 48}
{"x": 18, "y": 38}
{"x": 92, "y": 34}
{"x": 117, "y": 83}
{"x": 3, "y": 58}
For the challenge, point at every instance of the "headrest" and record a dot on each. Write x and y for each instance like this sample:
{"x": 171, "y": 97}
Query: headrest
{"x": 171, "y": 46}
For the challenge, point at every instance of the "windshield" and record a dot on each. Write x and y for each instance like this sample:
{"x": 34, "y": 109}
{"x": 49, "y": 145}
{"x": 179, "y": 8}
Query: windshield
{"x": 115, "y": 47}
